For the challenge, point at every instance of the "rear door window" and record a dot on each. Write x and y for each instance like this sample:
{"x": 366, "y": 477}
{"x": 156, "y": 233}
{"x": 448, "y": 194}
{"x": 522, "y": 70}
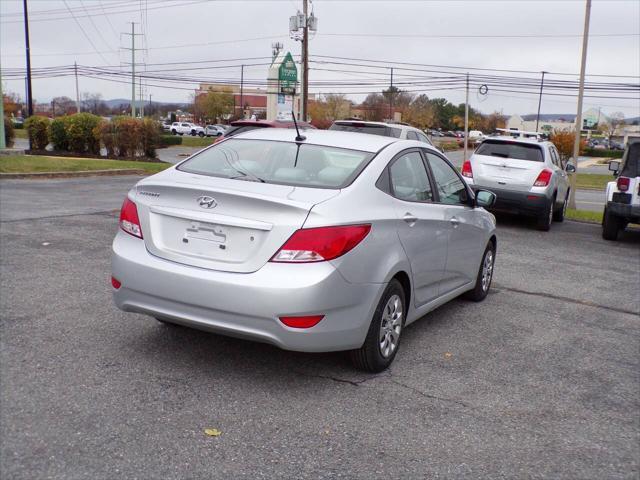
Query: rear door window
{"x": 409, "y": 179}
{"x": 518, "y": 151}
{"x": 412, "y": 136}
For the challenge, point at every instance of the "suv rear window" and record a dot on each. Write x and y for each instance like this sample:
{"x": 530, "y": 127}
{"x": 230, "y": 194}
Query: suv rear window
{"x": 281, "y": 163}
{"x": 518, "y": 151}
{"x": 631, "y": 161}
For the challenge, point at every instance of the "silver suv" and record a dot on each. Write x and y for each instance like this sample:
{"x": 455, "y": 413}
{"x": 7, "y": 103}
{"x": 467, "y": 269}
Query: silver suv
{"x": 402, "y": 131}
{"x": 526, "y": 174}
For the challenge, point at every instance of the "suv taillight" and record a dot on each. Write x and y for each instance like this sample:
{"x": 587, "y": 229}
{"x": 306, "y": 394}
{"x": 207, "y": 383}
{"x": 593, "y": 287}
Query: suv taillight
{"x": 623, "y": 183}
{"x": 543, "y": 178}
{"x": 129, "y": 221}
{"x": 467, "y": 171}
{"x": 320, "y": 244}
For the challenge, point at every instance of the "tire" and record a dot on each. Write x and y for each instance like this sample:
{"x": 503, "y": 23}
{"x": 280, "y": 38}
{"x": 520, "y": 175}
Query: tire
{"x": 485, "y": 275}
{"x": 558, "y": 215}
{"x": 377, "y": 353}
{"x": 201, "y": 134}
{"x": 173, "y": 132}
{"x": 611, "y": 226}
{"x": 544, "y": 220}
{"x": 181, "y": 134}
{"x": 193, "y": 133}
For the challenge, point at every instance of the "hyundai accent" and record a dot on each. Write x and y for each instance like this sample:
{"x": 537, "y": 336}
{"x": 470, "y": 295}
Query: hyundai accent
{"x": 334, "y": 241}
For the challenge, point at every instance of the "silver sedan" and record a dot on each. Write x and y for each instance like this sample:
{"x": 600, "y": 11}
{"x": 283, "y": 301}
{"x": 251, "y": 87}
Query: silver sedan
{"x": 333, "y": 241}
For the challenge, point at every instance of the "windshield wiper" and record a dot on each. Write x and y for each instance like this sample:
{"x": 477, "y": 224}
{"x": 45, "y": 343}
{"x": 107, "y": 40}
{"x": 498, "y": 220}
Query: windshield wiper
{"x": 249, "y": 177}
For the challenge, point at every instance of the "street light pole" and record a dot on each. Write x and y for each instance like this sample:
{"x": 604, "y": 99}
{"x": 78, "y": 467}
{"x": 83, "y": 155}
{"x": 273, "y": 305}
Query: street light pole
{"x": 540, "y": 101}
{"x": 305, "y": 60}
{"x": 576, "y": 144}
{"x": 28, "y": 52}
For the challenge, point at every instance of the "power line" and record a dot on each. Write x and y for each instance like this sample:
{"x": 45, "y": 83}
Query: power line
{"x": 85, "y": 33}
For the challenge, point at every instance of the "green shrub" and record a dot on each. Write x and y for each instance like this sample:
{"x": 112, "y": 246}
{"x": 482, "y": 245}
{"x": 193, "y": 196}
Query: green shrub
{"x": 58, "y": 133}
{"x": 37, "y": 127}
{"x": 597, "y": 152}
{"x": 149, "y": 137}
{"x": 9, "y": 132}
{"x": 80, "y": 132}
{"x": 127, "y": 136}
{"x": 106, "y": 132}
{"x": 167, "y": 140}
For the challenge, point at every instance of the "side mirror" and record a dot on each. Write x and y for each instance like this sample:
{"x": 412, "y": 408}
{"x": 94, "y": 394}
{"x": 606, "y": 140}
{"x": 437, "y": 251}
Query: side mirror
{"x": 570, "y": 168}
{"x": 614, "y": 166}
{"x": 485, "y": 198}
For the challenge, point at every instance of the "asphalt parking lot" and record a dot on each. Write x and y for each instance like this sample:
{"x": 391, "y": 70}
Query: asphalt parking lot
{"x": 541, "y": 380}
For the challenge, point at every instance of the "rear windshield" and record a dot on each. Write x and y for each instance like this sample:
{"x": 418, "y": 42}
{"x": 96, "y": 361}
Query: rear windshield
{"x": 282, "y": 163}
{"x": 518, "y": 151}
{"x": 381, "y": 130}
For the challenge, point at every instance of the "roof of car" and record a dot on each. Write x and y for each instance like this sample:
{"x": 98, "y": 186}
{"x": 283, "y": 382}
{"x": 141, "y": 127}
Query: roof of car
{"x": 333, "y": 138}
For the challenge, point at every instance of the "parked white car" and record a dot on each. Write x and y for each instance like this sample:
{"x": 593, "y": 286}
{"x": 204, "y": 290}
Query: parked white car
{"x": 623, "y": 195}
{"x": 213, "y": 131}
{"x": 526, "y": 174}
{"x": 402, "y": 131}
{"x": 182, "y": 128}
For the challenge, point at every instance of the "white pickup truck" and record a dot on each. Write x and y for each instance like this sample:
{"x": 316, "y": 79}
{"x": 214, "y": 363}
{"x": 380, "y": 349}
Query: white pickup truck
{"x": 623, "y": 195}
{"x": 182, "y": 128}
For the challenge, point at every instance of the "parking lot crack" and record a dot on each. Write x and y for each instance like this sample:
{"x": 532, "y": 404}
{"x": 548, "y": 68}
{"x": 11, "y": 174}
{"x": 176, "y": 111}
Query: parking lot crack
{"x": 355, "y": 383}
{"x": 430, "y": 396}
{"x": 568, "y": 299}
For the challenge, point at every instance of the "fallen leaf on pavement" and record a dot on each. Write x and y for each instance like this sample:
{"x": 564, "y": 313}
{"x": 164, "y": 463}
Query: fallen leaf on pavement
{"x": 212, "y": 432}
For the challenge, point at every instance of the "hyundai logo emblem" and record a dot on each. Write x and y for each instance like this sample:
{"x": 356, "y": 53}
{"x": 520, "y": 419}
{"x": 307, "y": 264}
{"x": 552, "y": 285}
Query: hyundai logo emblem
{"x": 206, "y": 201}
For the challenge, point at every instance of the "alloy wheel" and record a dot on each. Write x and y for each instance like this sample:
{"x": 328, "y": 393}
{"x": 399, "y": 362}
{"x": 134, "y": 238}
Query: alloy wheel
{"x": 390, "y": 326}
{"x": 487, "y": 271}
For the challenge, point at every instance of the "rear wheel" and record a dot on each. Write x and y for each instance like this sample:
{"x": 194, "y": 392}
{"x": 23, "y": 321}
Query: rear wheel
{"x": 611, "y": 225}
{"x": 544, "y": 220}
{"x": 485, "y": 275}
{"x": 383, "y": 339}
{"x": 558, "y": 216}
{"x": 174, "y": 132}
{"x": 201, "y": 134}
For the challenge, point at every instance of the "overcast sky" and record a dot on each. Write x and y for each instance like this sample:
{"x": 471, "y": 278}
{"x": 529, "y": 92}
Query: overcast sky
{"x": 510, "y": 34}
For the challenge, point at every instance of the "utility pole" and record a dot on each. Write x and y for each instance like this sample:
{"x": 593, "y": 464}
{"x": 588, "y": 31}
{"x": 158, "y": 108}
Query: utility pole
{"x": 28, "y": 51}
{"x": 576, "y": 144}
{"x": 241, "y": 90}
{"x": 540, "y": 101}
{"x": 141, "y": 99}
{"x": 75, "y": 69}
{"x": 391, "y": 97}
{"x": 466, "y": 122}
{"x": 305, "y": 60}
{"x": 3, "y": 143}
{"x": 133, "y": 67}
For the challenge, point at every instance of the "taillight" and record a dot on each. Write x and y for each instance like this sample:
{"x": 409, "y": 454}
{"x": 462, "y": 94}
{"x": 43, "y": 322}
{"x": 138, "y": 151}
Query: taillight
{"x": 115, "y": 283}
{"x": 302, "y": 322}
{"x": 129, "y": 221}
{"x": 543, "y": 178}
{"x": 467, "y": 171}
{"x": 320, "y": 244}
{"x": 623, "y": 183}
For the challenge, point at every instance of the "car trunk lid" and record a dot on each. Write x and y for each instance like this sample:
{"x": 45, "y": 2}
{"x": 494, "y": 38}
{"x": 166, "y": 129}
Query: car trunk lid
{"x": 218, "y": 223}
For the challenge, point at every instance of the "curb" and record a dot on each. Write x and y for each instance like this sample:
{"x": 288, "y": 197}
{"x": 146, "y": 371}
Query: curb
{"x": 84, "y": 173}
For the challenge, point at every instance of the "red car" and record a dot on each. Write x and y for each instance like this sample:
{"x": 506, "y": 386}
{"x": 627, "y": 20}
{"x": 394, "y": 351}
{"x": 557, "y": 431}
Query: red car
{"x": 240, "y": 126}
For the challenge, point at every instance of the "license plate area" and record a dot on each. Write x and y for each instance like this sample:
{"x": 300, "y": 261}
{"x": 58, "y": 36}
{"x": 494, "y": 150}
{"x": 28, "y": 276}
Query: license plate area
{"x": 187, "y": 238}
{"x": 620, "y": 197}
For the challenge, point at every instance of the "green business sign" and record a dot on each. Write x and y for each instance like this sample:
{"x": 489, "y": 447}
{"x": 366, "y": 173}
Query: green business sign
{"x": 288, "y": 74}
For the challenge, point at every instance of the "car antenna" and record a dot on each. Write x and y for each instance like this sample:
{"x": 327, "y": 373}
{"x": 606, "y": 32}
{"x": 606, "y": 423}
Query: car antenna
{"x": 299, "y": 138}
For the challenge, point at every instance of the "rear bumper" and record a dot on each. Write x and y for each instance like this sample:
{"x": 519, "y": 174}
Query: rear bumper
{"x": 524, "y": 203}
{"x": 631, "y": 212}
{"x": 246, "y": 305}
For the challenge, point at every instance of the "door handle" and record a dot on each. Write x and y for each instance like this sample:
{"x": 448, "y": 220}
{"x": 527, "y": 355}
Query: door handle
{"x": 454, "y": 221}
{"x": 410, "y": 219}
